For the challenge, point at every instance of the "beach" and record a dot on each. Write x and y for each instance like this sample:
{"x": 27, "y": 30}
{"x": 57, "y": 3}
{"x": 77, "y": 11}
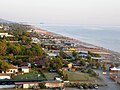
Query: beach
{"x": 110, "y": 55}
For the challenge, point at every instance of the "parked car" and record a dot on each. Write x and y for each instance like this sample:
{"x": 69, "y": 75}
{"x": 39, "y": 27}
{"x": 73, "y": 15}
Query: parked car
{"x": 95, "y": 86}
{"x": 80, "y": 87}
{"x": 91, "y": 87}
{"x": 52, "y": 70}
{"x": 83, "y": 71}
{"x": 85, "y": 87}
{"x": 57, "y": 78}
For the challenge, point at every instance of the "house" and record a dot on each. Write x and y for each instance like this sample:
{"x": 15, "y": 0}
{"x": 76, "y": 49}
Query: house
{"x": 68, "y": 43}
{"x": 5, "y": 76}
{"x": 115, "y": 69}
{"x": 98, "y": 59}
{"x": 25, "y": 69}
{"x": 31, "y": 30}
{"x": 12, "y": 70}
{"x": 1, "y": 26}
{"x": 6, "y": 28}
{"x": 6, "y": 35}
{"x": 53, "y": 54}
{"x": 50, "y": 45}
{"x": 54, "y": 84}
{"x": 35, "y": 40}
{"x": 70, "y": 65}
{"x": 71, "y": 49}
{"x": 83, "y": 53}
{"x": 3, "y": 34}
{"x": 26, "y": 85}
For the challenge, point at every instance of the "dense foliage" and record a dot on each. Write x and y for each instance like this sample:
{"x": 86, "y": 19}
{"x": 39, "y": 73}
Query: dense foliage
{"x": 54, "y": 63}
{"x": 4, "y": 65}
{"x": 19, "y": 48}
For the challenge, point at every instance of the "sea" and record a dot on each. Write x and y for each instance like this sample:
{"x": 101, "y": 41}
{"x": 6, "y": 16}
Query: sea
{"x": 104, "y": 36}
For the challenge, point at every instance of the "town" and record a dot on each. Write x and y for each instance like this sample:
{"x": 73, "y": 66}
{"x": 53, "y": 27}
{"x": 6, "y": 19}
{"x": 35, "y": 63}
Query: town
{"x": 34, "y": 58}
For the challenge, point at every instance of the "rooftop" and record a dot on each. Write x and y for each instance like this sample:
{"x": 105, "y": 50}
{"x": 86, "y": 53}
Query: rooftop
{"x": 4, "y": 74}
{"x": 13, "y": 67}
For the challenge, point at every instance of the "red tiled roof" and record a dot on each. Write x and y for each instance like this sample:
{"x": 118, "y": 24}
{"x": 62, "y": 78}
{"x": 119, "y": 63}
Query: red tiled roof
{"x": 13, "y": 67}
{"x": 4, "y": 74}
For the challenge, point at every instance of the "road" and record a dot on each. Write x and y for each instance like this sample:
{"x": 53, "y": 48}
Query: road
{"x": 111, "y": 85}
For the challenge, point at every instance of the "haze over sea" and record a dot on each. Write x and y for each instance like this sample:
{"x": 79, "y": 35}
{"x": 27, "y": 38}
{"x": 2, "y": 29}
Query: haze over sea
{"x": 103, "y": 36}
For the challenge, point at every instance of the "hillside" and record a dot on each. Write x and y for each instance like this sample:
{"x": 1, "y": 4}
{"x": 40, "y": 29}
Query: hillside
{"x": 5, "y": 21}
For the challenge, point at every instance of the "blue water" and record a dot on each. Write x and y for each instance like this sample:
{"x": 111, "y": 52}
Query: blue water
{"x": 103, "y": 36}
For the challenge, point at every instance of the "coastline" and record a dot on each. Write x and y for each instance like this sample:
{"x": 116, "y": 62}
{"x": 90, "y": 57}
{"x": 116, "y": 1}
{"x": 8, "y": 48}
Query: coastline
{"x": 83, "y": 45}
{"x": 80, "y": 46}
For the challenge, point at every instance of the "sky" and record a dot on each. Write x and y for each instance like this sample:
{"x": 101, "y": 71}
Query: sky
{"x": 69, "y": 12}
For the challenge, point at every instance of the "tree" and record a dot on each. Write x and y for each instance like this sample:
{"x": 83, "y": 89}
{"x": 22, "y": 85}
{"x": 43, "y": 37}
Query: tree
{"x": 62, "y": 54}
{"x": 98, "y": 64}
{"x": 65, "y": 77}
{"x": 42, "y": 85}
{"x": 82, "y": 62}
{"x": 74, "y": 53}
{"x": 104, "y": 66}
{"x": 93, "y": 54}
{"x": 4, "y": 66}
{"x": 54, "y": 63}
{"x": 3, "y": 47}
{"x": 29, "y": 52}
{"x": 15, "y": 49}
{"x": 47, "y": 62}
{"x": 90, "y": 61}
{"x": 91, "y": 72}
{"x": 58, "y": 63}
{"x": 10, "y": 56}
{"x": 37, "y": 50}
{"x": 112, "y": 65}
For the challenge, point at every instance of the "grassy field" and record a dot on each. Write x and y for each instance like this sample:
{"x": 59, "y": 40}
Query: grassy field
{"x": 50, "y": 75}
{"x": 31, "y": 75}
{"x": 78, "y": 76}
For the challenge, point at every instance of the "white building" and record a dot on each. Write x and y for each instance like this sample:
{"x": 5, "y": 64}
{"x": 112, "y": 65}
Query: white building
{"x": 6, "y": 28}
{"x": 6, "y": 35}
{"x": 115, "y": 69}
{"x": 54, "y": 84}
{"x": 25, "y": 69}
{"x": 31, "y": 30}
{"x": 1, "y": 27}
{"x": 26, "y": 85}
{"x": 35, "y": 40}
{"x": 4, "y": 76}
{"x": 53, "y": 54}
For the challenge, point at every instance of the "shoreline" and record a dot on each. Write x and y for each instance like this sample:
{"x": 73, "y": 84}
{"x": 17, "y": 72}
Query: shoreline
{"x": 85, "y": 46}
